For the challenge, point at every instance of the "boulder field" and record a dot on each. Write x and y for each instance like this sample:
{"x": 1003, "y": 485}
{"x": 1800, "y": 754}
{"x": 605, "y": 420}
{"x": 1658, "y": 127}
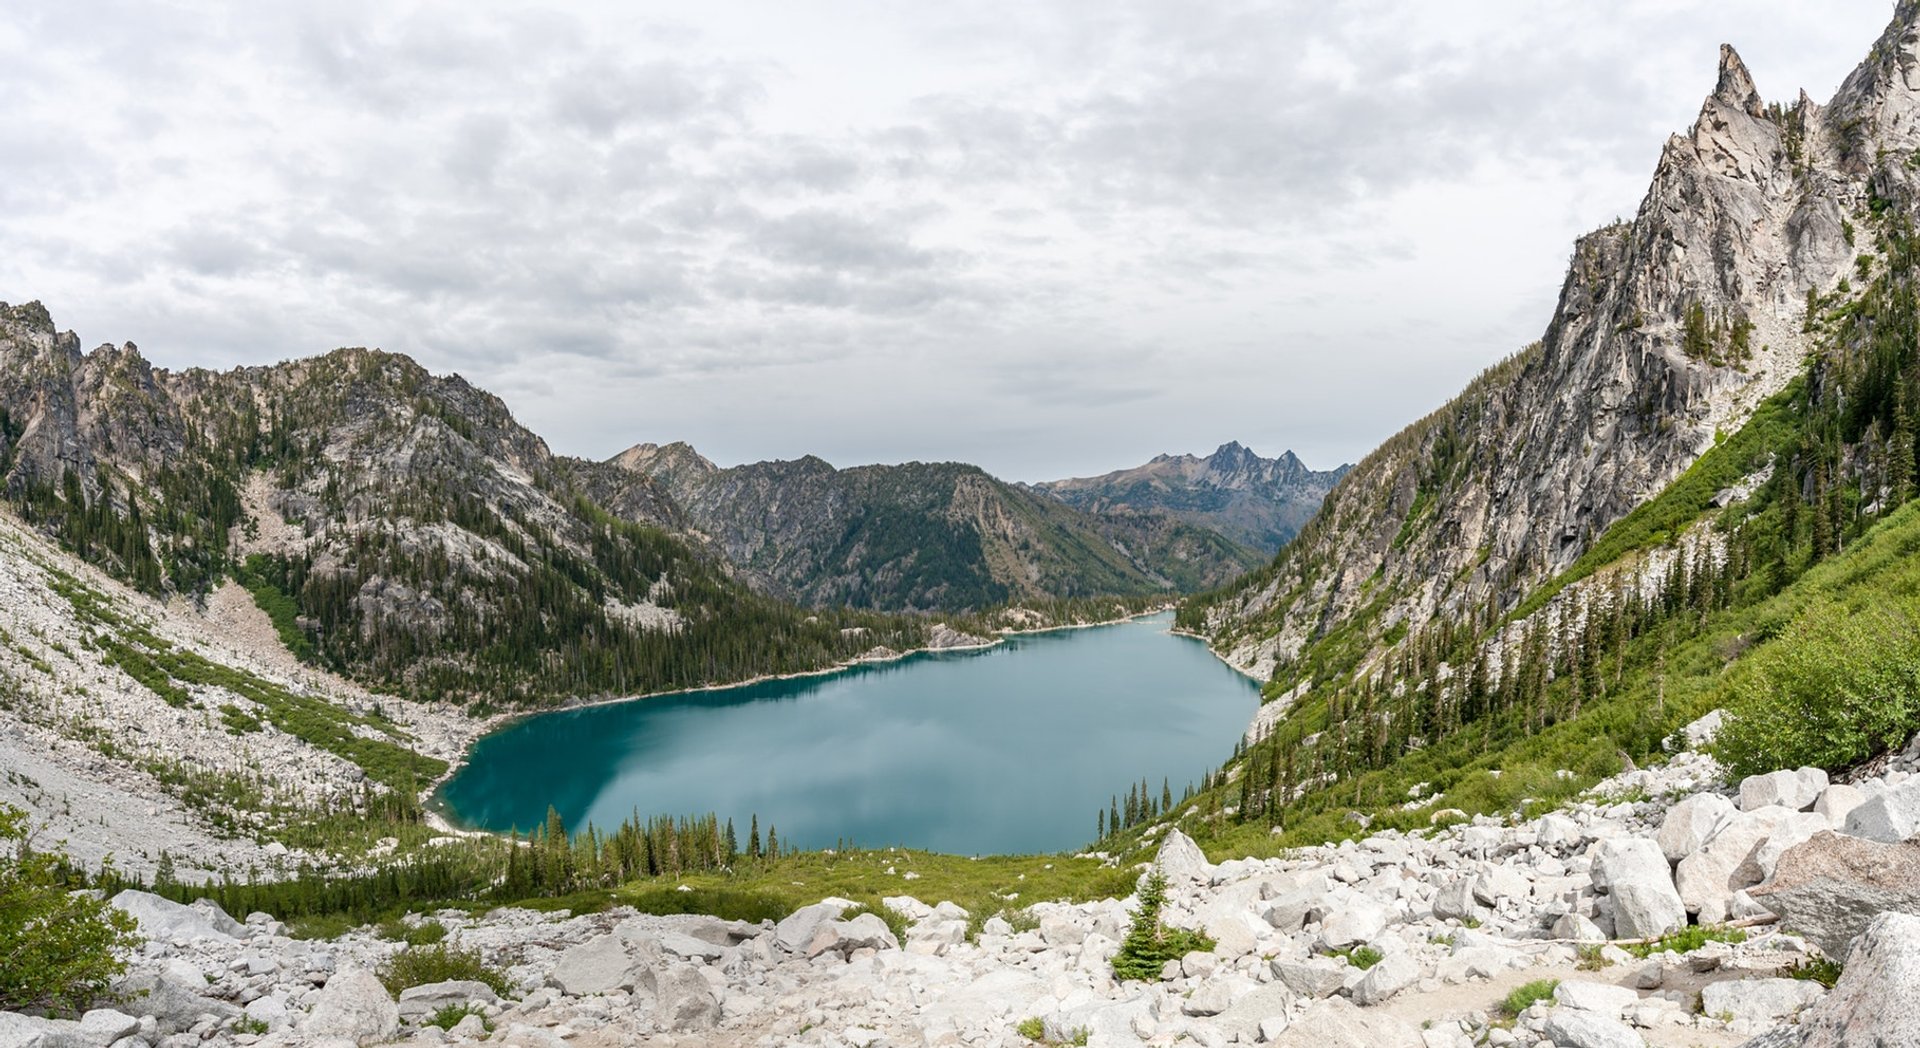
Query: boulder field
{"x": 1394, "y": 939}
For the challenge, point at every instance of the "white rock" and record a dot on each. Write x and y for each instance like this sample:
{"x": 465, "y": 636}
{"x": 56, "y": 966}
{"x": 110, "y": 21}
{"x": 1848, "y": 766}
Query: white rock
{"x": 1576, "y": 1029}
{"x": 1391, "y": 974}
{"x": 1634, "y": 873}
{"x": 1586, "y": 996}
{"x": 1837, "y": 802}
{"x": 353, "y": 1006}
{"x": 166, "y": 920}
{"x": 1889, "y": 817}
{"x": 1689, "y": 822}
{"x": 1758, "y": 1000}
{"x": 1794, "y": 790}
{"x": 1358, "y": 921}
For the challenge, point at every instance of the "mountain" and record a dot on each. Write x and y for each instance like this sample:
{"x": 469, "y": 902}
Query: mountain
{"x": 409, "y": 532}
{"x": 923, "y": 535}
{"x": 1692, "y": 496}
{"x": 1670, "y": 330}
{"x": 1257, "y": 502}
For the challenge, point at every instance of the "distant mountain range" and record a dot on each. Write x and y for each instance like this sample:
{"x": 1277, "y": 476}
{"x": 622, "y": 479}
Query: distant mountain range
{"x": 1260, "y": 503}
{"x": 926, "y": 535}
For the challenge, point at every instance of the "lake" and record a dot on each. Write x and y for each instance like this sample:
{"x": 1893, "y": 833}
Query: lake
{"x": 1009, "y": 749}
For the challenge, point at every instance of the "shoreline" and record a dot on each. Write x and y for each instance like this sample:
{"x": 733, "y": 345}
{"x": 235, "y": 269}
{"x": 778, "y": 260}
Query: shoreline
{"x": 1229, "y": 663}
{"x": 436, "y": 818}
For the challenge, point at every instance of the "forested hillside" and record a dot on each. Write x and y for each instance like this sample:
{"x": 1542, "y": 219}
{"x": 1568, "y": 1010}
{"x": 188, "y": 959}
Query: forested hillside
{"x": 923, "y": 536}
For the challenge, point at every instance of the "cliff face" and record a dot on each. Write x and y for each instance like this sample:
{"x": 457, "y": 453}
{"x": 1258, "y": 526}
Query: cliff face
{"x": 1669, "y": 330}
{"x": 922, "y": 535}
{"x": 1258, "y": 502}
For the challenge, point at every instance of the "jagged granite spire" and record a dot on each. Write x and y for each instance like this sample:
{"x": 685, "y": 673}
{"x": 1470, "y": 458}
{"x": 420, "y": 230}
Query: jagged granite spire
{"x": 1736, "y": 87}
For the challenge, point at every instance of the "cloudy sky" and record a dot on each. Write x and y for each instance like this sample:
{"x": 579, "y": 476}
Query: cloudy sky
{"x": 1053, "y": 238}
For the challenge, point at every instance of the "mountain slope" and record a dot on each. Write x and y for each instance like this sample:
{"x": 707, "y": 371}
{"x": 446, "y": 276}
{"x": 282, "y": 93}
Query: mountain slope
{"x": 412, "y": 534}
{"x": 1669, "y": 331}
{"x": 1258, "y": 502}
{"x": 923, "y": 535}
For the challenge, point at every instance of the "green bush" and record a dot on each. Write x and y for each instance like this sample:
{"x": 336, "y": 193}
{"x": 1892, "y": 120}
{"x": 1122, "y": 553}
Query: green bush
{"x": 1688, "y": 940}
{"x": 58, "y": 950}
{"x": 1361, "y": 957}
{"x": 1524, "y": 997}
{"x": 1835, "y": 688}
{"x": 1149, "y": 945}
{"x": 449, "y": 1017}
{"x": 419, "y": 965}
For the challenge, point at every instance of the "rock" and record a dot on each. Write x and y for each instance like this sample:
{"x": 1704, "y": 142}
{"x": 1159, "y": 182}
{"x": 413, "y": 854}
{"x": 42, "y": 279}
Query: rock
{"x": 1558, "y": 831}
{"x": 794, "y": 933}
{"x": 1634, "y": 873}
{"x": 174, "y": 1003}
{"x": 31, "y": 1031}
{"x": 1883, "y": 967}
{"x": 601, "y": 965}
{"x": 1890, "y": 817}
{"x": 1585, "y": 996}
{"x": 865, "y": 932}
{"x": 1793, "y": 790}
{"x": 1179, "y": 859}
{"x": 684, "y": 1000}
{"x": 1256, "y": 1010}
{"x": 1707, "y": 879}
{"x": 1500, "y": 881}
{"x": 1577, "y": 1029}
{"x": 1837, "y": 802}
{"x": 1689, "y": 822}
{"x": 167, "y": 921}
{"x": 1455, "y": 900}
{"x": 418, "y": 1002}
{"x": 471, "y": 1028}
{"x": 1338, "y": 1023}
{"x": 1758, "y": 1000}
{"x": 1702, "y": 731}
{"x": 1830, "y": 887}
{"x": 1358, "y": 921}
{"x": 1391, "y": 974}
{"x": 107, "y": 1025}
{"x": 1575, "y": 926}
{"x": 688, "y": 947}
{"x": 1291, "y": 909}
{"x": 353, "y": 1006}
{"x": 1209, "y": 998}
{"x": 1312, "y": 977}
{"x": 1761, "y": 862}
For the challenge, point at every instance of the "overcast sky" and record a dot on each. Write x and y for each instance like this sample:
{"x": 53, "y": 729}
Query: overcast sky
{"x": 1052, "y": 238}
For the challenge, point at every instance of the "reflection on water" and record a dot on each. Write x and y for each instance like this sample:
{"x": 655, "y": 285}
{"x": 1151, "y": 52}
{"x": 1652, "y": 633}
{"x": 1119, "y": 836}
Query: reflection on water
{"x": 1010, "y": 749}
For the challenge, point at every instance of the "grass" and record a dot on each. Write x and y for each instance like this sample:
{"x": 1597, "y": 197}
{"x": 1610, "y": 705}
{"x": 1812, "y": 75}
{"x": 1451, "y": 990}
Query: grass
{"x": 1593, "y": 957}
{"x": 1524, "y": 997}
{"x": 1361, "y": 957}
{"x": 1823, "y": 970}
{"x": 420, "y": 965}
{"x": 449, "y": 1017}
{"x": 1688, "y": 940}
{"x": 1036, "y": 1031}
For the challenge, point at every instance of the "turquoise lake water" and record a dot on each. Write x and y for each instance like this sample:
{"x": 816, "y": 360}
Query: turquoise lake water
{"x": 1004, "y": 750}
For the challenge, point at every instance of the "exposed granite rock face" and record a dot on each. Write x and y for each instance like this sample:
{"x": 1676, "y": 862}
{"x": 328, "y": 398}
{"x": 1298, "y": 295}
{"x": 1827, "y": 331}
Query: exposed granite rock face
{"x": 923, "y": 535}
{"x": 1258, "y": 502}
{"x": 1748, "y": 211}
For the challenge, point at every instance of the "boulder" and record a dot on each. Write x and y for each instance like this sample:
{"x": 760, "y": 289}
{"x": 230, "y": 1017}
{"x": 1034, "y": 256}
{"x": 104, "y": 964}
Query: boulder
{"x": 1702, "y": 731}
{"x": 1758, "y": 1000}
{"x": 865, "y": 932}
{"x": 1357, "y": 921}
{"x": 32, "y": 1031}
{"x": 107, "y": 1025}
{"x": 1688, "y": 824}
{"x": 1707, "y": 879}
{"x": 1211, "y": 997}
{"x": 1837, "y": 802}
{"x": 1605, "y": 998}
{"x": 167, "y": 921}
{"x": 1179, "y": 859}
{"x": 1292, "y": 909}
{"x": 1793, "y": 790}
{"x": 1883, "y": 967}
{"x": 684, "y": 1000}
{"x": 1391, "y": 974}
{"x": 688, "y": 947}
{"x": 1244, "y": 1017}
{"x": 1500, "y": 881}
{"x": 1456, "y": 900}
{"x": 1830, "y": 887}
{"x": 1576, "y": 1029}
{"x": 795, "y": 931}
{"x": 419, "y": 1002}
{"x": 1339, "y": 1023}
{"x": 1577, "y": 927}
{"x": 353, "y": 1006}
{"x": 1634, "y": 873}
{"x": 1310, "y": 977}
{"x": 1558, "y": 832}
{"x": 602, "y": 965}
{"x": 174, "y": 1003}
{"x": 1792, "y": 830}
{"x": 1891, "y": 816}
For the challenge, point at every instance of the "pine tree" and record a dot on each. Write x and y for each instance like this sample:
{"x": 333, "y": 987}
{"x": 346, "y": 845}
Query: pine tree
{"x": 753, "y": 838}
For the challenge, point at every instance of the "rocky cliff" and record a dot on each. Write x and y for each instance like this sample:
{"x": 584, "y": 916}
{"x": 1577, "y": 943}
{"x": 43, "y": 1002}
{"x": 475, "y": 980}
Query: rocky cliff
{"x": 1258, "y": 502}
{"x": 1669, "y": 331}
{"x": 924, "y": 535}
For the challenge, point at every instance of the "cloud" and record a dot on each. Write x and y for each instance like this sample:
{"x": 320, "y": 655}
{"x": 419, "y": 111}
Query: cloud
{"x": 982, "y": 231}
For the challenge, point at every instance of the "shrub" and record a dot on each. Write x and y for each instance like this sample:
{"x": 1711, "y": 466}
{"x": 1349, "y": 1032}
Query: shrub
{"x": 449, "y": 1017}
{"x": 1822, "y": 970}
{"x": 58, "y": 950}
{"x": 1361, "y": 957}
{"x": 1032, "y": 1028}
{"x": 1149, "y": 945}
{"x": 1688, "y": 939}
{"x": 1832, "y": 690}
{"x": 419, "y": 965}
{"x": 1524, "y": 997}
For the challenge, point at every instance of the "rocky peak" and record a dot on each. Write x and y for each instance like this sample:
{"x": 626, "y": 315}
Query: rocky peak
{"x": 1735, "y": 87}
{"x": 657, "y": 459}
{"x": 1232, "y": 457}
